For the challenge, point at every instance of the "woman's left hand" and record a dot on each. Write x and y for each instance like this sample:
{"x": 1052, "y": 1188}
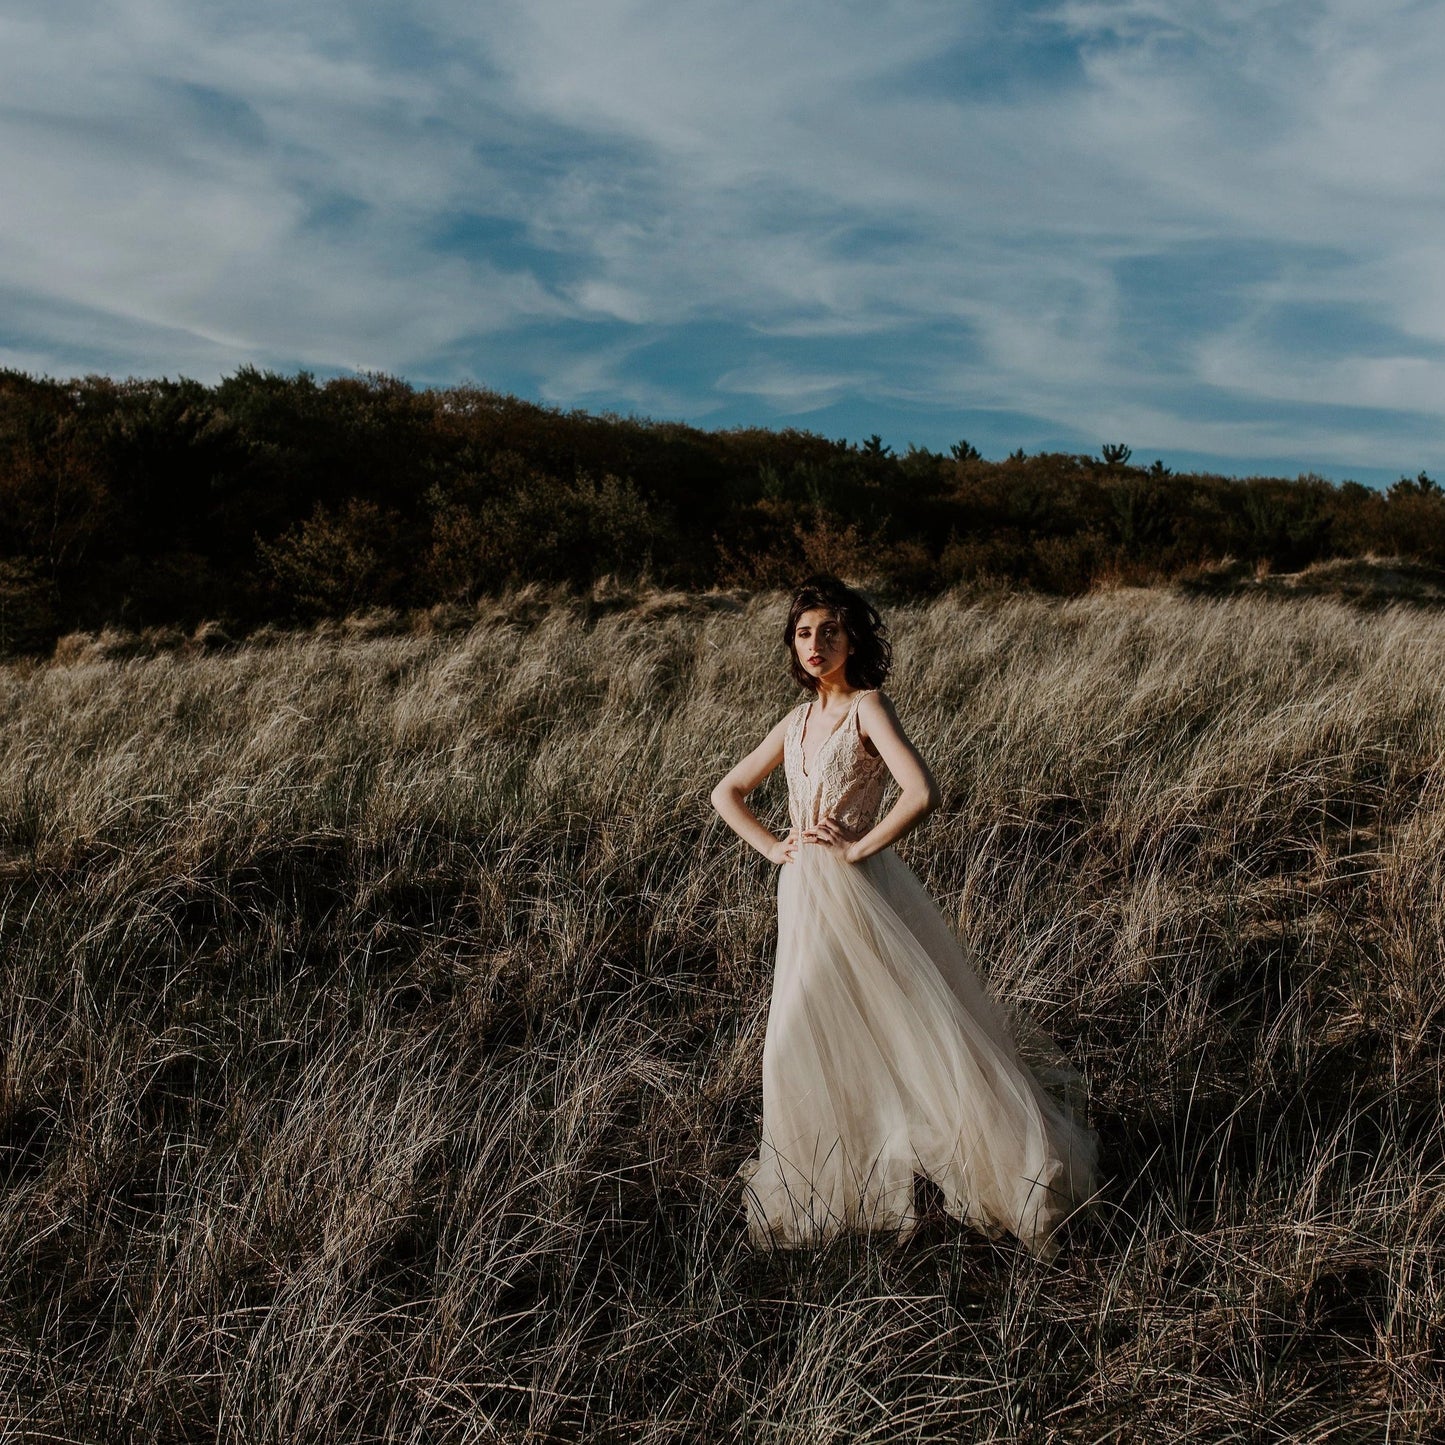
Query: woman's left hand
{"x": 831, "y": 834}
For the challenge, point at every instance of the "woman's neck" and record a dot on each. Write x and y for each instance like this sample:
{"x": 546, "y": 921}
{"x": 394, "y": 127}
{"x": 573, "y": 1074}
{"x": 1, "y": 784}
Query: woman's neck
{"x": 833, "y": 692}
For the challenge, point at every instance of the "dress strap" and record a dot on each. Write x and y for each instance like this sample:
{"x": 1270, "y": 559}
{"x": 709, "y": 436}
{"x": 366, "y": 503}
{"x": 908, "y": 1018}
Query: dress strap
{"x": 798, "y": 725}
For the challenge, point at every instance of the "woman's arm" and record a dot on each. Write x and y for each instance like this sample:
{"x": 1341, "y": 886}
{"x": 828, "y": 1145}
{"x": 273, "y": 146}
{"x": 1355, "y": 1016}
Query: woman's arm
{"x": 918, "y": 794}
{"x": 729, "y": 794}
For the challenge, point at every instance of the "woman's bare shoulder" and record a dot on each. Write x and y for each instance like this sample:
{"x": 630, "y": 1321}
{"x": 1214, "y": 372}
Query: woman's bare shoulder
{"x": 875, "y": 709}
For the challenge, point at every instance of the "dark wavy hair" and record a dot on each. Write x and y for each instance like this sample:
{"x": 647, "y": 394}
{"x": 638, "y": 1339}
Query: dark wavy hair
{"x": 872, "y": 656}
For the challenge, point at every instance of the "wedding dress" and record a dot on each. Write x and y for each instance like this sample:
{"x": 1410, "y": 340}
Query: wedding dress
{"x": 884, "y": 1058}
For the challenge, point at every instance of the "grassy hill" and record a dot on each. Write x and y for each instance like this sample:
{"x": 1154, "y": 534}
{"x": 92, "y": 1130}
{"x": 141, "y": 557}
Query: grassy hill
{"x": 381, "y": 1017}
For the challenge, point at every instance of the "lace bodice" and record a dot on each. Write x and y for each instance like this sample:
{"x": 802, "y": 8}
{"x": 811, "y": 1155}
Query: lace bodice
{"x": 846, "y": 782}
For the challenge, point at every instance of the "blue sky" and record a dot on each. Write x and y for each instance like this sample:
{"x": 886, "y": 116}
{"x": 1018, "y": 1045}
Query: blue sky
{"x": 1213, "y": 231}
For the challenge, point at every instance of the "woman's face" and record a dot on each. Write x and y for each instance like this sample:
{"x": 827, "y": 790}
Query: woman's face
{"x": 822, "y": 645}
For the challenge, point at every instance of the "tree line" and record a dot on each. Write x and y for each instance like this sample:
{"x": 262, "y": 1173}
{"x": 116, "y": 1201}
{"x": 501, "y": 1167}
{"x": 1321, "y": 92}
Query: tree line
{"x": 270, "y": 497}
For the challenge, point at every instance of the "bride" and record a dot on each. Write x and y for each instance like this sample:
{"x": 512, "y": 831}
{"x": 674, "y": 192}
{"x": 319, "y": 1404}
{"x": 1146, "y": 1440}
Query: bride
{"x": 884, "y": 1059}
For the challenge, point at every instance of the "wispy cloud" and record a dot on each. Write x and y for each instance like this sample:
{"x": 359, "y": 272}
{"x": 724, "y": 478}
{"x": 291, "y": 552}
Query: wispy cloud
{"x": 1206, "y": 229}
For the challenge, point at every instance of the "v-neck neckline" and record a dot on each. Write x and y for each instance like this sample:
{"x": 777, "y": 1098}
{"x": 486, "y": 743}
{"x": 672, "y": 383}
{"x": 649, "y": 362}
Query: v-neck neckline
{"x": 803, "y": 733}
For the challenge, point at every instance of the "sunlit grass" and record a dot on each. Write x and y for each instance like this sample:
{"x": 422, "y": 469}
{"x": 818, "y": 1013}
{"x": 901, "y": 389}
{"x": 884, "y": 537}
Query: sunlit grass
{"x": 381, "y": 1020}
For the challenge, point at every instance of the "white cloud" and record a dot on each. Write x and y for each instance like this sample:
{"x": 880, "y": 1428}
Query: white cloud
{"x": 267, "y": 182}
{"x": 792, "y": 388}
{"x": 172, "y": 176}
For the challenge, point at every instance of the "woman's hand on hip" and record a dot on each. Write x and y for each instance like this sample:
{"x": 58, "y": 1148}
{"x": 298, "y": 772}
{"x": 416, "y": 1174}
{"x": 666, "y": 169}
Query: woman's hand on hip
{"x": 783, "y": 849}
{"x": 830, "y": 834}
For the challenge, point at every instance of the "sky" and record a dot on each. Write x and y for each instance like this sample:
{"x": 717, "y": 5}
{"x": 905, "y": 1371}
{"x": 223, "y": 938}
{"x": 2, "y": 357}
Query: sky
{"x": 1212, "y": 231}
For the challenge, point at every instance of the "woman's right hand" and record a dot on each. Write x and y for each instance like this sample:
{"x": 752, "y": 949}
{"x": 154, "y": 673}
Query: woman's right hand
{"x": 783, "y": 848}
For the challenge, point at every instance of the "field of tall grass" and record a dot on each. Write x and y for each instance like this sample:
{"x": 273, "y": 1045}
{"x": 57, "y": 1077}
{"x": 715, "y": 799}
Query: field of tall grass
{"x": 381, "y": 1019}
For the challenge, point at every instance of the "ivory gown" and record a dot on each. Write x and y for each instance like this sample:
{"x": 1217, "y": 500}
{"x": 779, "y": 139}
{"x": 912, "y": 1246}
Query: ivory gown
{"x": 884, "y": 1058}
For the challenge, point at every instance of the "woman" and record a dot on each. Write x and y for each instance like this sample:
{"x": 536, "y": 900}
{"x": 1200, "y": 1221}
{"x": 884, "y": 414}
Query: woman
{"x": 884, "y": 1058}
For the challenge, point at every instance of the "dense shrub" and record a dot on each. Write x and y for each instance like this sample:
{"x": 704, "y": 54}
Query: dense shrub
{"x": 271, "y": 497}
{"x": 335, "y": 562}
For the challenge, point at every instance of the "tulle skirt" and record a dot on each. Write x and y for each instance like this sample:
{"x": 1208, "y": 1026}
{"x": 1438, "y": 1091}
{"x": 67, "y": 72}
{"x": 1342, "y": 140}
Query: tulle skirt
{"x": 885, "y": 1060}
